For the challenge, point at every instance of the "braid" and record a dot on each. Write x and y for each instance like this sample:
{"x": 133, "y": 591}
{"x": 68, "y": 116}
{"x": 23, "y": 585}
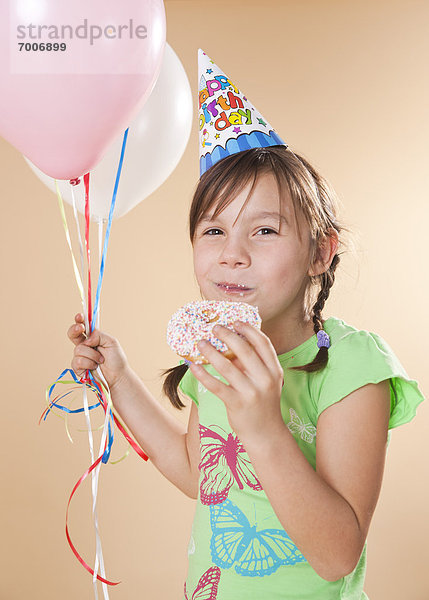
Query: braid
{"x": 327, "y": 281}
{"x": 173, "y": 376}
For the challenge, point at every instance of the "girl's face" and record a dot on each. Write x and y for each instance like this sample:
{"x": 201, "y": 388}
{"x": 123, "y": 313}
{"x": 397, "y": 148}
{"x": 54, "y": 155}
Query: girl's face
{"x": 256, "y": 257}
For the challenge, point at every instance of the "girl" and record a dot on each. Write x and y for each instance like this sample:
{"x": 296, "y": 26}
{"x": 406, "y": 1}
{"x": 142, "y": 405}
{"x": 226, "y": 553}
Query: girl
{"x": 285, "y": 445}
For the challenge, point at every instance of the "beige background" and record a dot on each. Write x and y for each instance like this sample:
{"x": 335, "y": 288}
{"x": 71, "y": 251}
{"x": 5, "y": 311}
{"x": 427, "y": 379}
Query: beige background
{"x": 344, "y": 83}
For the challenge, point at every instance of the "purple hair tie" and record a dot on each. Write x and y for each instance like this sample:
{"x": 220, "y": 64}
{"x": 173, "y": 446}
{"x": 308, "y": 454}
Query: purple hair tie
{"x": 323, "y": 340}
{"x": 187, "y": 362}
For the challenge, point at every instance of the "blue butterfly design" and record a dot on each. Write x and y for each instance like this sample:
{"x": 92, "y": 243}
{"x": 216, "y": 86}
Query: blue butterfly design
{"x": 257, "y": 553}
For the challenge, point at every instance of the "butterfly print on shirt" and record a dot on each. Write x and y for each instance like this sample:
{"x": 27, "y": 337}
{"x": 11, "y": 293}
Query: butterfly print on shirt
{"x": 306, "y": 431}
{"x": 255, "y": 552}
{"x": 223, "y": 461}
{"x": 207, "y": 585}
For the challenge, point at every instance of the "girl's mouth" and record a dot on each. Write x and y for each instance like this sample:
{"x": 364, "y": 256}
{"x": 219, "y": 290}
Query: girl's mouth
{"x": 233, "y": 288}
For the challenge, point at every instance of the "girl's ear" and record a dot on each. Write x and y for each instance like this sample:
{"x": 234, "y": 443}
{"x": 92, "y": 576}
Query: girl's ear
{"x": 328, "y": 246}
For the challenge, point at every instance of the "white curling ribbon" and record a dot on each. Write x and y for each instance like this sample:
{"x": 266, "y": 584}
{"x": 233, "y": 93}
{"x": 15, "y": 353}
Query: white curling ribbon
{"x": 82, "y": 260}
{"x": 100, "y": 255}
{"x": 66, "y": 230}
{"x": 99, "y": 561}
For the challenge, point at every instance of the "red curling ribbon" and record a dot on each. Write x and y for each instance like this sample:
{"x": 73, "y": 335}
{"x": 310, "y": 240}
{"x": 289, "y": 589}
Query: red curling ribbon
{"x": 101, "y": 395}
{"x": 96, "y": 387}
{"x": 75, "y": 552}
{"x": 87, "y": 222}
{"x": 126, "y": 435}
{"x": 130, "y": 440}
{"x": 52, "y": 403}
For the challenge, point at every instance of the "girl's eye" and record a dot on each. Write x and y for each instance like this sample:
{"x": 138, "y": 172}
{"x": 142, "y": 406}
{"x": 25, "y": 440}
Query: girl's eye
{"x": 213, "y": 231}
{"x": 266, "y": 231}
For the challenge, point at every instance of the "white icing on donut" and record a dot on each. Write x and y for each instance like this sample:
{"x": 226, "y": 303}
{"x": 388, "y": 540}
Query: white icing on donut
{"x": 195, "y": 321}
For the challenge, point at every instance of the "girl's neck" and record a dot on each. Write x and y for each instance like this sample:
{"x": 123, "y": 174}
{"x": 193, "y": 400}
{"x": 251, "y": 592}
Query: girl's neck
{"x": 289, "y": 334}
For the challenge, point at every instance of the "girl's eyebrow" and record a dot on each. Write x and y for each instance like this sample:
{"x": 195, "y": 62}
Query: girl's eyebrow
{"x": 274, "y": 215}
{"x": 254, "y": 217}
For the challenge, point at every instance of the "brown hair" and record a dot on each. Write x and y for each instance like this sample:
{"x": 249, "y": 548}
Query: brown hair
{"x": 311, "y": 196}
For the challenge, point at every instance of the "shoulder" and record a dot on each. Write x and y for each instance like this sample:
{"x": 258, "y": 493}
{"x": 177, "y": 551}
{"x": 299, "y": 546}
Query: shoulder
{"x": 341, "y": 332}
{"x": 356, "y": 358}
{"x": 352, "y": 347}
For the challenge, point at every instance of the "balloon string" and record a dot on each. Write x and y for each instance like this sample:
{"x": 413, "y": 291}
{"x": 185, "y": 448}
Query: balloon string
{"x": 102, "y": 392}
{"x": 99, "y": 562}
{"x": 88, "y": 253}
{"x": 109, "y": 225}
{"x": 96, "y": 317}
{"x": 104, "y": 399}
{"x": 75, "y": 552}
{"x": 95, "y": 386}
{"x": 91, "y": 320}
{"x": 118, "y": 423}
{"x": 82, "y": 260}
{"x": 66, "y": 230}
{"x": 120, "y": 426}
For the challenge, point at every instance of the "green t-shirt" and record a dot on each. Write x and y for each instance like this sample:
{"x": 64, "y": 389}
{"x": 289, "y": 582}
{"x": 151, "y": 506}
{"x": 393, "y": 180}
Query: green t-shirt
{"x": 238, "y": 548}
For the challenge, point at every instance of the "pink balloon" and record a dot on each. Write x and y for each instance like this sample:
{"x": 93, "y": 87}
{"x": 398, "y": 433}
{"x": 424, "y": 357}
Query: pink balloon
{"x": 63, "y": 106}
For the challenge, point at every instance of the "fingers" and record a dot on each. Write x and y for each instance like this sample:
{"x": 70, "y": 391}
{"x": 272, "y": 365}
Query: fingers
{"x": 259, "y": 341}
{"x": 213, "y": 384}
{"x": 234, "y": 376}
{"x": 97, "y": 338}
{"x": 76, "y": 332}
{"x": 86, "y": 359}
{"x": 250, "y": 352}
{"x": 255, "y": 353}
{"x": 78, "y": 335}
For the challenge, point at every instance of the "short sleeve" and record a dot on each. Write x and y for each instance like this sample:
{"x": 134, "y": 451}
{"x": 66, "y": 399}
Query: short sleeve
{"x": 189, "y": 386}
{"x": 362, "y": 357}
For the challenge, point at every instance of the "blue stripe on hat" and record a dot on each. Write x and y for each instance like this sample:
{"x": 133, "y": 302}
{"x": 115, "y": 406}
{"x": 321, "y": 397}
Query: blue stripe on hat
{"x": 218, "y": 153}
{"x": 245, "y": 141}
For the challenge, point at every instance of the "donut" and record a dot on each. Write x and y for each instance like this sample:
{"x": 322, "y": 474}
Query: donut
{"x": 195, "y": 321}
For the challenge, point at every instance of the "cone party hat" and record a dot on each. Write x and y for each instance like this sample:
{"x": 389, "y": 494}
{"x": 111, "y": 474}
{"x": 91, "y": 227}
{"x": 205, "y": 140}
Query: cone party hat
{"x": 228, "y": 122}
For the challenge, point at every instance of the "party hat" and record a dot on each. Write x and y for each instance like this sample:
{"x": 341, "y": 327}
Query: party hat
{"x": 229, "y": 123}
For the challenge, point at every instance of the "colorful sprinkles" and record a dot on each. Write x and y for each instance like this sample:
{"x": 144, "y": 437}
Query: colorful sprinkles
{"x": 195, "y": 321}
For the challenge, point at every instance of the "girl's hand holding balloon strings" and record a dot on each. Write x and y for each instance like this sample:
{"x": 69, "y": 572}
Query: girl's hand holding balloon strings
{"x": 98, "y": 349}
{"x": 255, "y": 380}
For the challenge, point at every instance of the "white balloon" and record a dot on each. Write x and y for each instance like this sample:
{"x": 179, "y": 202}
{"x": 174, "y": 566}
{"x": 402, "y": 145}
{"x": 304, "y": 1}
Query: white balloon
{"x": 157, "y": 139}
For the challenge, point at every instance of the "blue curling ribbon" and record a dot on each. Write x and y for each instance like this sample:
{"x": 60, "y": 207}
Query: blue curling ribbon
{"x": 107, "y": 452}
{"x": 107, "y": 235}
{"x": 110, "y": 438}
{"x": 60, "y": 406}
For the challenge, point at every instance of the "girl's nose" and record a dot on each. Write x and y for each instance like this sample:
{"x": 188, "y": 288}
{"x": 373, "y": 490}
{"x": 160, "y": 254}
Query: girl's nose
{"x": 234, "y": 253}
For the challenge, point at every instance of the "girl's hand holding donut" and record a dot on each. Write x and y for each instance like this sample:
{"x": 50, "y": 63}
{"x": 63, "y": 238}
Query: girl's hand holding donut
{"x": 99, "y": 349}
{"x": 255, "y": 379}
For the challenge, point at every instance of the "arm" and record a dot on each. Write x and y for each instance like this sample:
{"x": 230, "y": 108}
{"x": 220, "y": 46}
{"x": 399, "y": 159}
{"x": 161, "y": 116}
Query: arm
{"x": 326, "y": 512}
{"x": 173, "y": 450}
